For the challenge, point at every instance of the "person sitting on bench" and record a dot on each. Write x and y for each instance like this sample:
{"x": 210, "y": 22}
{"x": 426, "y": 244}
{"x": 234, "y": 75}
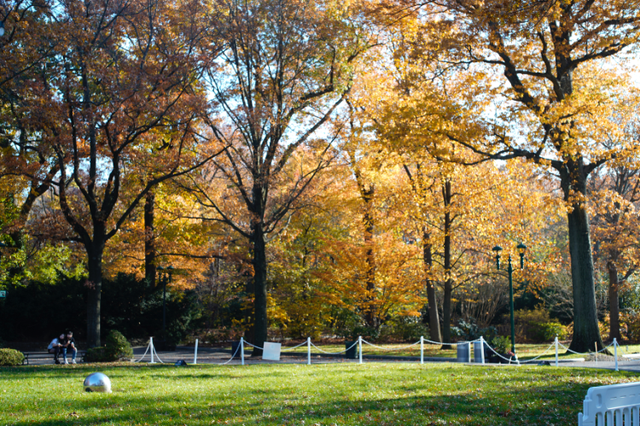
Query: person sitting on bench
{"x": 55, "y": 348}
{"x": 69, "y": 343}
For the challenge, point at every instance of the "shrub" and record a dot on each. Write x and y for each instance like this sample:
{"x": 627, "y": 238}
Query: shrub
{"x": 546, "y": 331}
{"x": 116, "y": 348}
{"x": 501, "y": 344}
{"x": 96, "y": 355}
{"x": 537, "y": 326}
{"x": 468, "y": 330}
{"x": 9, "y": 357}
{"x": 630, "y": 325}
{"x": 406, "y": 329}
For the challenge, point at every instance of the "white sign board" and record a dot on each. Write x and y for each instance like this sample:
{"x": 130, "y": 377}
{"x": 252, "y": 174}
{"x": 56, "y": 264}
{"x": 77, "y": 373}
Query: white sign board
{"x": 271, "y": 351}
{"x": 3, "y": 293}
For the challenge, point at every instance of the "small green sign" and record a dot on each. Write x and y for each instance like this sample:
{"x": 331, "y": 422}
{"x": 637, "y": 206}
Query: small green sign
{"x": 3, "y": 293}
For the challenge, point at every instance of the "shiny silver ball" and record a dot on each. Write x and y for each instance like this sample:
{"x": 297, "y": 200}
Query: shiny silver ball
{"x": 97, "y": 382}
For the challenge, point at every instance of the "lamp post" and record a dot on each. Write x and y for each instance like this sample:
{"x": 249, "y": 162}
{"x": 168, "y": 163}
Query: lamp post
{"x": 521, "y": 249}
{"x": 167, "y": 277}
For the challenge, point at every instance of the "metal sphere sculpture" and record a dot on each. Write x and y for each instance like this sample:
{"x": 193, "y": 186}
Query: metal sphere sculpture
{"x": 97, "y": 382}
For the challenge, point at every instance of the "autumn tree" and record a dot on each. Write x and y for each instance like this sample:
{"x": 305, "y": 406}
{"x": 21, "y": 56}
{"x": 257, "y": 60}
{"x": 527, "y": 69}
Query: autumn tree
{"x": 615, "y": 233}
{"x": 26, "y": 48}
{"x": 545, "y": 51}
{"x": 120, "y": 116}
{"x": 283, "y": 71}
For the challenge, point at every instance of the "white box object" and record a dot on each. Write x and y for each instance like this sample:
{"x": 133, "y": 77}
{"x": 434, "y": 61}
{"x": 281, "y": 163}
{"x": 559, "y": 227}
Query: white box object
{"x": 271, "y": 351}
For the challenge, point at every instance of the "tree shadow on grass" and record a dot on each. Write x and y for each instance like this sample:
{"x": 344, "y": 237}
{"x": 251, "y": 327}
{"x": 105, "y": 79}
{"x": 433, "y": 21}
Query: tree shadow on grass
{"x": 415, "y": 403}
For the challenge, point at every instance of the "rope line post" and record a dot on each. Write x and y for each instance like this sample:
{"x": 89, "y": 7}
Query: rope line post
{"x": 421, "y": 350}
{"x": 195, "y": 354}
{"x": 482, "y": 348}
{"x": 596, "y": 343}
{"x": 615, "y": 351}
{"x": 308, "y": 350}
{"x": 556, "y": 342}
{"x": 152, "y": 350}
{"x": 242, "y": 350}
{"x": 360, "y": 349}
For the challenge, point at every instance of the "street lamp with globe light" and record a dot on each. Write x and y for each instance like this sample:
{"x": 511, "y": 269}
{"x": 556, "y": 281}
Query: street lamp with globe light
{"x": 521, "y": 250}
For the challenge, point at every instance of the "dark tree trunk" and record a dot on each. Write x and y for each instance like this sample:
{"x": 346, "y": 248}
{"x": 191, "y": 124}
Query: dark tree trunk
{"x": 94, "y": 291}
{"x": 585, "y": 323}
{"x": 150, "y": 239}
{"x": 614, "y": 303}
{"x": 448, "y": 282}
{"x": 259, "y": 334}
{"x": 432, "y": 305}
{"x": 368, "y": 222}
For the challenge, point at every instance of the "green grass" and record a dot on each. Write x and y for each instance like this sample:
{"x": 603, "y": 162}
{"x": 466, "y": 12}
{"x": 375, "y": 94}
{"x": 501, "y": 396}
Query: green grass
{"x": 335, "y": 394}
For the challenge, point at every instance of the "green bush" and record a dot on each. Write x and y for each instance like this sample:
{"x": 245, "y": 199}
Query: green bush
{"x": 405, "y": 329}
{"x": 96, "y": 355}
{"x": 469, "y": 330}
{"x": 11, "y": 357}
{"x": 546, "y": 331}
{"x": 116, "y": 348}
{"x": 500, "y": 344}
{"x": 537, "y": 326}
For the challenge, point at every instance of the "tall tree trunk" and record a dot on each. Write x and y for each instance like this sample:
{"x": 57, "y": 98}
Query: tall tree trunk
{"x": 614, "y": 303}
{"x": 432, "y": 305}
{"x": 585, "y": 322}
{"x": 448, "y": 282}
{"x": 150, "y": 239}
{"x": 94, "y": 291}
{"x": 260, "y": 324}
{"x": 368, "y": 222}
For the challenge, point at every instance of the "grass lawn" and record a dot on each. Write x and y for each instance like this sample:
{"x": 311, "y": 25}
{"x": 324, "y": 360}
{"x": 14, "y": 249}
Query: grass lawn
{"x": 335, "y": 394}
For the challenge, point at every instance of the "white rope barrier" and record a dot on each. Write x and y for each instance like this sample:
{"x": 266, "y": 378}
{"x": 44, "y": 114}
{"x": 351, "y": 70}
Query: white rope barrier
{"x": 294, "y": 347}
{"x": 254, "y": 346}
{"x": 391, "y": 349}
{"x": 506, "y": 359}
{"x": 456, "y": 343}
{"x": 335, "y": 353}
{"x": 232, "y": 356}
{"x": 145, "y": 354}
{"x": 539, "y": 356}
{"x": 151, "y": 350}
{"x": 195, "y": 354}
{"x": 585, "y": 353}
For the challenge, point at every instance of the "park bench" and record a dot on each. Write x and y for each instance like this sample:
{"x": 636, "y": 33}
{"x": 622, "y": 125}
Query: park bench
{"x": 33, "y": 356}
{"x": 612, "y": 404}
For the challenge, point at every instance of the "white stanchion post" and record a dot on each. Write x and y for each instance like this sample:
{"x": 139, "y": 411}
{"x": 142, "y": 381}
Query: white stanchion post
{"x": 482, "y": 348}
{"x": 242, "y": 349}
{"x": 556, "y": 350}
{"x": 195, "y": 353}
{"x": 615, "y": 351}
{"x": 152, "y": 349}
{"x": 308, "y": 350}
{"x": 421, "y": 350}
{"x": 360, "y": 348}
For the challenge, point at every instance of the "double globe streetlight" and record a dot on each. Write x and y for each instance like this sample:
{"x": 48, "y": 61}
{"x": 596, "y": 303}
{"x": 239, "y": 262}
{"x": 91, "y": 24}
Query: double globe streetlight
{"x": 521, "y": 249}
